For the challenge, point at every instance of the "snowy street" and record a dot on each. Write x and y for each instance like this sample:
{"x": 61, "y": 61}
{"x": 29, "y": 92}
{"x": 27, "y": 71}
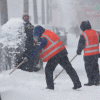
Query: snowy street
{"x": 21, "y": 85}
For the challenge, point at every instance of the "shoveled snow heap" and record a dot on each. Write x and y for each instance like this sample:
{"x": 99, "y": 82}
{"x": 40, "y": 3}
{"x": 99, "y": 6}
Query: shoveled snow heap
{"x": 12, "y": 33}
{"x": 12, "y": 42}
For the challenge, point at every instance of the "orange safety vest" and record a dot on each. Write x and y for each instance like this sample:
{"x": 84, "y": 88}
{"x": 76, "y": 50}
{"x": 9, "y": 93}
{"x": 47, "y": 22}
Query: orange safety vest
{"x": 91, "y": 42}
{"x": 54, "y": 46}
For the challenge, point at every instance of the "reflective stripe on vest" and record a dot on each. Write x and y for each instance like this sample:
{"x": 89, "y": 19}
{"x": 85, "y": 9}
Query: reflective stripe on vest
{"x": 52, "y": 52}
{"x": 89, "y": 46}
{"x": 53, "y": 43}
{"x": 91, "y": 51}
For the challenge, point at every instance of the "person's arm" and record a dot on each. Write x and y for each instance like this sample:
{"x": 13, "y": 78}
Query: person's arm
{"x": 81, "y": 44}
{"x": 39, "y": 45}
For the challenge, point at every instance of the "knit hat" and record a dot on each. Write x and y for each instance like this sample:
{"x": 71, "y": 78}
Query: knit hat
{"x": 25, "y": 14}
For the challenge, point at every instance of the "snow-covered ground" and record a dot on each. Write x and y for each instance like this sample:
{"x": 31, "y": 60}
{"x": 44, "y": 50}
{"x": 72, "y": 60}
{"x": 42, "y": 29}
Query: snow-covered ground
{"x": 22, "y": 85}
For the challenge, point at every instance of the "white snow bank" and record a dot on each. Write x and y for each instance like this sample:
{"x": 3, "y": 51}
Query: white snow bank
{"x": 12, "y": 42}
{"x": 12, "y": 33}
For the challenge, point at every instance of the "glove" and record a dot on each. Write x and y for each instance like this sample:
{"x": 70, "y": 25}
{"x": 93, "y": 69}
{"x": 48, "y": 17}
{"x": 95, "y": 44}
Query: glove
{"x": 78, "y": 53}
{"x": 25, "y": 59}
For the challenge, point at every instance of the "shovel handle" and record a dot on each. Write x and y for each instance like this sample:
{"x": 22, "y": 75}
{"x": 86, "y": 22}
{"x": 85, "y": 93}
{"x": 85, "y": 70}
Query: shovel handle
{"x": 17, "y": 67}
{"x": 63, "y": 69}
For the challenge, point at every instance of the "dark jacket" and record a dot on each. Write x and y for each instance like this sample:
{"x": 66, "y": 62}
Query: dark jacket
{"x": 29, "y": 45}
{"x": 81, "y": 44}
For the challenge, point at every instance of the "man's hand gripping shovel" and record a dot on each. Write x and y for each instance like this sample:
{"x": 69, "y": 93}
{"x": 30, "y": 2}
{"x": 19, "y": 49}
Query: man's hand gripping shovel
{"x": 24, "y": 60}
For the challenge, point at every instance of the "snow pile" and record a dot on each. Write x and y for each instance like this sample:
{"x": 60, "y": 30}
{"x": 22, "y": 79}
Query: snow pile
{"x": 12, "y": 41}
{"x": 12, "y": 33}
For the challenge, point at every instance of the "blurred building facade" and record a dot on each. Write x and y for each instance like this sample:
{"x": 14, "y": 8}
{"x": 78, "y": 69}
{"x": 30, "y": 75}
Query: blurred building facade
{"x": 3, "y": 12}
{"x": 54, "y": 13}
{"x": 89, "y": 10}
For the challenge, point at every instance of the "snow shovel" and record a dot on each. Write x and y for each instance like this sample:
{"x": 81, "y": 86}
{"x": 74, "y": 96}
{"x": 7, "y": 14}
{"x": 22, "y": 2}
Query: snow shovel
{"x": 63, "y": 69}
{"x": 24, "y": 60}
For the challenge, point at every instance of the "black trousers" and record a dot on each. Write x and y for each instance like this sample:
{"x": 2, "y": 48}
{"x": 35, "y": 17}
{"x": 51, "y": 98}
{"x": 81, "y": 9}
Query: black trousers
{"x": 64, "y": 62}
{"x": 92, "y": 68}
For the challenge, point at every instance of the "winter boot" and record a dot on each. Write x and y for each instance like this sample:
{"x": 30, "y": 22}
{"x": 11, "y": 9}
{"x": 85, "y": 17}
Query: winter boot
{"x": 50, "y": 88}
{"x": 77, "y": 86}
{"x": 89, "y": 84}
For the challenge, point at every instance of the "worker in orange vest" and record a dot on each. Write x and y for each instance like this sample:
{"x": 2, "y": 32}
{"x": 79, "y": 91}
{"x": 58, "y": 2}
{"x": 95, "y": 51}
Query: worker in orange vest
{"x": 53, "y": 51}
{"x": 89, "y": 42}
